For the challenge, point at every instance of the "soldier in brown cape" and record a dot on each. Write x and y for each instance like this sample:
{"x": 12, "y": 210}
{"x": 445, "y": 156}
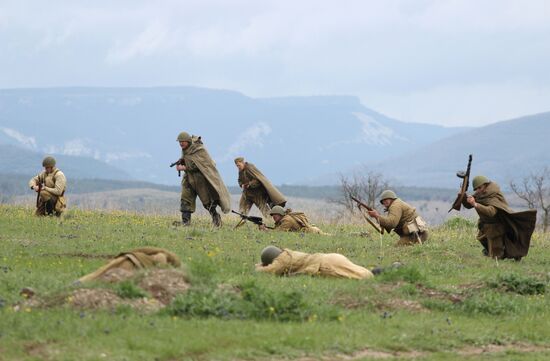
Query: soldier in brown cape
{"x": 257, "y": 189}
{"x": 201, "y": 179}
{"x": 285, "y": 262}
{"x": 288, "y": 221}
{"x": 402, "y": 218}
{"x": 51, "y": 184}
{"x": 502, "y": 232}
{"x": 140, "y": 258}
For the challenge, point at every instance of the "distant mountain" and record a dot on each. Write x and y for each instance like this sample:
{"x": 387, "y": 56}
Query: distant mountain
{"x": 293, "y": 139}
{"x": 18, "y": 160}
{"x": 502, "y": 151}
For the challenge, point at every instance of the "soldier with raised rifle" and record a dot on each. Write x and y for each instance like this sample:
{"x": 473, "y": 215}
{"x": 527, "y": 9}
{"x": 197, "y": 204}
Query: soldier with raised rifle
{"x": 402, "y": 219}
{"x": 201, "y": 179}
{"x": 49, "y": 186}
{"x": 503, "y": 233}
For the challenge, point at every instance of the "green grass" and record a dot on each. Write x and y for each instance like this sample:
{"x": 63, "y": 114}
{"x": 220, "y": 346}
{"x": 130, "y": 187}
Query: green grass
{"x": 446, "y": 298}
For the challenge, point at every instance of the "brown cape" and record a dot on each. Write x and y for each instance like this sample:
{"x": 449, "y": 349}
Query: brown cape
{"x": 519, "y": 225}
{"x": 274, "y": 194}
{"x": 198, "y": 154}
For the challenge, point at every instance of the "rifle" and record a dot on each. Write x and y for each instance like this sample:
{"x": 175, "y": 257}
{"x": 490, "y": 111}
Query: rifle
{"x": 465, "y": 176}
{"x": 38, "y": 192}
{"x": 178, "y": 162}
{"x": 256, "y": 220}
{"x": 360, "y": 204}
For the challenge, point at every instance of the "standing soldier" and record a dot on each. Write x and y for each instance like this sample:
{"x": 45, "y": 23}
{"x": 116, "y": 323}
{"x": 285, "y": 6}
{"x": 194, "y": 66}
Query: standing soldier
{"x": 502, "y": 233}
{"x": 50, "y": 187}
{"x": 402, "y": 218}
{"x": 201, "y": 178}
{"x": 257, "y": 189}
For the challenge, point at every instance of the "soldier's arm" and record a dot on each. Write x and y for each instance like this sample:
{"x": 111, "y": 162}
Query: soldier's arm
{"x": 487, "y": 211}
{"x": 191, "y": 166}
{"x": 284, "y": 226}
{"x": 60, "y": 183}
{"x": 254, "y": 183}
{"x": 392, "y": 219}
{"x": 276, "y": 267}
{"x": 34, "y": 181}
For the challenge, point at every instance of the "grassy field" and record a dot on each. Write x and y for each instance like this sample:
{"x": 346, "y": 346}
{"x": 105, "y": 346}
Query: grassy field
{"x": 446, "y": 303}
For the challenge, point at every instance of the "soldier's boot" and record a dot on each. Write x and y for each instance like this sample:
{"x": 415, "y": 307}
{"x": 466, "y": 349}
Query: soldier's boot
{"x": 185, "y": 218}
{"x": 50, "y": 206}
{"x": 216, "y": 218}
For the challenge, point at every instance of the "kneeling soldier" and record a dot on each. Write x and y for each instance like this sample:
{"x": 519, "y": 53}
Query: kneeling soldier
{"x": 288, "y": 221}
{"x": 402, "y": 218}
{"x": 285, "y": 262}
{"x": 50, "y": 186}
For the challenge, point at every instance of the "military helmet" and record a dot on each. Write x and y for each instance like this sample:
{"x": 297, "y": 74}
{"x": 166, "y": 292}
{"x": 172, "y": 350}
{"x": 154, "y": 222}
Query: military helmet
{"x": 277, "y": 210}
{"x": 480, "y": 180}
{"x": 269, "y": 254}
{"x": 387, "y": 194}
{"x": 48, "y": 162}
{"x": 184, "y": 137}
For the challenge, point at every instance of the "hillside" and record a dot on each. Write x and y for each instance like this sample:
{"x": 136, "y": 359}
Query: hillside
{"x": 19, "y": 160}
{"x": 445, "y": 302}
{"x": 292, "y": 139}
{"x": 503, "y": 151}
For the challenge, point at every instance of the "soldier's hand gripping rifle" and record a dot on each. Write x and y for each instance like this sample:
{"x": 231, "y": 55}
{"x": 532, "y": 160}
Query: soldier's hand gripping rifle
{"x": 370, "y": 221}
{"x": 38, "y": 192}
{"x": 465, "y": 176}
{"x": 256, "y": 220}
{"x": 178, "y": 162}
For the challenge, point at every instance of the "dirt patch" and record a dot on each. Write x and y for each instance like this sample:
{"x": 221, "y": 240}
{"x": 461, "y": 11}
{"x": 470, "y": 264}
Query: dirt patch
{"x": 161, "y": 284}
{"x": 164, "y": 284}
{"x": 98, "y": 298}
{"x": 36, "y": 349}
{"x": 396, "y": 304}
{"x": 489, "y": 349}
{"x": 441, "y": 295}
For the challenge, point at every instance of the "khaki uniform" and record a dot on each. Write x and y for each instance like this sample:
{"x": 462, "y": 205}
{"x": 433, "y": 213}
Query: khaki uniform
{"x": 202, "y": 179}
{"x": 291, "y": 263}
{"x": 260, "y": 191}
{"x": 195, "y": 184}
{"x": 52, "y": 196}
{"x": 297, "y": 222}
{"x": 403, "y": 220}
{"x": 146, "y": 257}
{"x": 502, "y": 232}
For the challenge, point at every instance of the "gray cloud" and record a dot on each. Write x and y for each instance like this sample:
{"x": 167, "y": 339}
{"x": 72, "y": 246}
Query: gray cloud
{"x": 440, "y": 61}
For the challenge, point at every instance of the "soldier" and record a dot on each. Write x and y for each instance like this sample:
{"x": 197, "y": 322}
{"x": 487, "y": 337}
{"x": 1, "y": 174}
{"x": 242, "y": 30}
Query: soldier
{"x": 50, "y": 186}
{"x": 201, "y": 178}
{"x": 502, "y": 233}
{"x": 257, "y": 189}
{"x": 402, "y": 218}
{"x": 285, "y": 262}
{"x": 140, "y": 258}
{"x": 288, "y": 221}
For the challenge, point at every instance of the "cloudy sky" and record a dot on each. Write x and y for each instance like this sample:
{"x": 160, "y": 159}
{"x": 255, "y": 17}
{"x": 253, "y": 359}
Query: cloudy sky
{"x": 447, "y": 62}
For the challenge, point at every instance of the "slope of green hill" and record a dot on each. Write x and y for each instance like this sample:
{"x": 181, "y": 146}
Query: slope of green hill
{"x": 447, "y": 302}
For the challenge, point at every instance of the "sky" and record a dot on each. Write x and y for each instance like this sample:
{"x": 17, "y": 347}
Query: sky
{"x": 432, "y": 61}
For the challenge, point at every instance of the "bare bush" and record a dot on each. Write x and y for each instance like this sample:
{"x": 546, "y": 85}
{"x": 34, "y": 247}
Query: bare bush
{"x": 535, "y": 191}
{"x": 365, "y": 186}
